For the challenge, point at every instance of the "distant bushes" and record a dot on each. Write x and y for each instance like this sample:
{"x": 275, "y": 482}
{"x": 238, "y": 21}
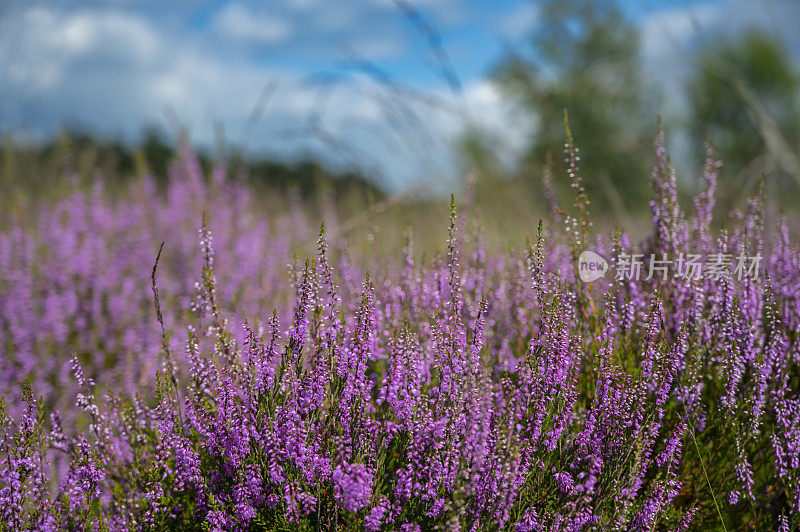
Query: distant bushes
{"x": 76, "y": 157}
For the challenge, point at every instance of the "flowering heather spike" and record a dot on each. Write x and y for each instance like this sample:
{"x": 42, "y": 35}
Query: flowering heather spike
{"x": 334, "y": 324}
{"x": 547, "y": 186}
{"x": 666, "y": 236}
{"x": 704, "y": 202}
{"x": 300, "y": 323}
{"x": 572, "y": 159}
{"x": 477, "y": 337}
{"x": 536, "y": 263}
{"x": 453, "y": 266}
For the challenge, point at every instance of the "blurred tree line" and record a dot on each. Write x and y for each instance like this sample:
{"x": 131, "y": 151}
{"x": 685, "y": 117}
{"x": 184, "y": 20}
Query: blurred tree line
{"x": 585, "y": 56}
{"x": 38, "y": 171}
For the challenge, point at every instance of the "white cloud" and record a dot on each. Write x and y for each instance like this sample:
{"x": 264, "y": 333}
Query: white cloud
{"x": 419, "y": 4}
{"x": 671, "y": 31}
{"x": 235, "y": 21}
{"x": 500, "y": 118}
{"x": 378, "y": 47}
{"x": 440, "y": 12}
{"x": 43, "y": 43}
{"x": 114, "y": 70}
{"x": 301, "y": 5}
{"x": 520, "y": 21}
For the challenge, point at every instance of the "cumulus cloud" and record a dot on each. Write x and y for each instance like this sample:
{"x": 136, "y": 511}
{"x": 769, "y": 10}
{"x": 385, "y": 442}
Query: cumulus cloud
{"x": 520, "y": 21}
{"x": 35, "y": 57}
{"x": 380, "y": 47}
{"x": 238, "y": 22}
{"x": 664, "y": 30}
{"x": 113, "y": 70}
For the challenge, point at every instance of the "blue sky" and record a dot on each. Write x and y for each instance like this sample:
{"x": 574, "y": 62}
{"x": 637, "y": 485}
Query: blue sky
{"x": 113, "y": 66}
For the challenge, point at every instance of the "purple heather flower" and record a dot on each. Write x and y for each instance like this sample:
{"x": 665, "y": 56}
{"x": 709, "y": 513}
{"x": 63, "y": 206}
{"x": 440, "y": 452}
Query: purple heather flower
{"x": 353, "y": 486}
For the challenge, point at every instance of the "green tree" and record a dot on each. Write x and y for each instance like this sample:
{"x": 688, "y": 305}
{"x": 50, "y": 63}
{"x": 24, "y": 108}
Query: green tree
{"x": 584, "y": 57}
{"x": 744, "y": 94}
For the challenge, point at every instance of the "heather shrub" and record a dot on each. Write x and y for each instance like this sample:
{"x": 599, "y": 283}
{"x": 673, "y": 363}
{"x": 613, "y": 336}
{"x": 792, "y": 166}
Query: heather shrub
{"x": 75, "y": 276}
{"x": 471, "y": 391}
